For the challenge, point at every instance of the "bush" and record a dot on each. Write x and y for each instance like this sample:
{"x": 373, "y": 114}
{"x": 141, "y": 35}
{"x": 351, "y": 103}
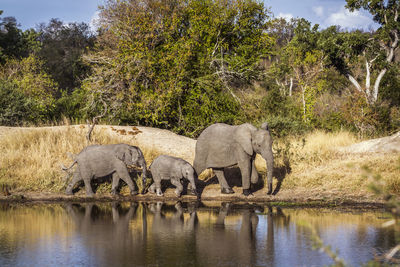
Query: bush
{"x": 71, "y": 105}
{"x": 283, "y": 114}
{"x": 282, "y": 126}
{"x": 329, "y": 113}
{"x": 17, "y": 109}
{"x": 14, "y": 106}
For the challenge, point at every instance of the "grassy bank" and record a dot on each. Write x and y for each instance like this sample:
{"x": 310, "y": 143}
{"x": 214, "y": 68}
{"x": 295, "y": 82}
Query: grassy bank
{"x": 309, "y": 167}
{"x": 31, "y": 158}
{"x": 316, "y": 164}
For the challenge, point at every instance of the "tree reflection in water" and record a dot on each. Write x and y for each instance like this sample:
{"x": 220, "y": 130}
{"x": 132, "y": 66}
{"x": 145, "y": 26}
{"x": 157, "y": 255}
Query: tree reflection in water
{"x": 201, "y": 234}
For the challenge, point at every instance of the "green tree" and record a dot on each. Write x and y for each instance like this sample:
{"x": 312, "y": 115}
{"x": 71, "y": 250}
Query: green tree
{"x": 177, "y": 64}
{"x": 15, "y": 43}
{"x": 27, "y": 78}
{"x": 280, "y": 71}
{"x": 381, "y": 47}
{"x": 306, "y": 59}
{"x": 62, "y": 46}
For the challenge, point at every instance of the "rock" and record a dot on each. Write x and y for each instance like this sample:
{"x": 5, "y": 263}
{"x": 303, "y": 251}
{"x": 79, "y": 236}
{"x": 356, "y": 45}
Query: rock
{"x": 385, "y": 144}
{"x": 160, "y": 140}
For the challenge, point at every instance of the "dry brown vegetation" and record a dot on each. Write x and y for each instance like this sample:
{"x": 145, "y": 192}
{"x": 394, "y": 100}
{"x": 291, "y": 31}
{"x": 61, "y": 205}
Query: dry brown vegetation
{"x": 309, "y": 167}
{"x": 31, "y": 158}
{"x": 317, "y": 165}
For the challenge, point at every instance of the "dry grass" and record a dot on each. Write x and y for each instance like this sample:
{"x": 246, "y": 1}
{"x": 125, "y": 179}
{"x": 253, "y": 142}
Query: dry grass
{"x": 316, "y": 163}
{"x": 31, "y": 158}
{"x": 31, "y": 161}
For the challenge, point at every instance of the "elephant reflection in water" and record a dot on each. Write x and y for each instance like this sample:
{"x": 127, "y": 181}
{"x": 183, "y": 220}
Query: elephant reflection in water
{"x": 106, "y": 234}
{"x": 175, "y": 223}
{"x": 223, "y": 243}
{"x": 274, "y": 219}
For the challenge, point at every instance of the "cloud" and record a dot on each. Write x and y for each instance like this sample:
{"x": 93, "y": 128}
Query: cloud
{"x": 350, "y": 20}
{"x": 94, "y": 22}
{"x": 318, "y": 10}
{"x": 286, "y": 16}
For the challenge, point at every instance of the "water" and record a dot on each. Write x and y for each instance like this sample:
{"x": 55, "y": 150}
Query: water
{"x": 185, "y": 234}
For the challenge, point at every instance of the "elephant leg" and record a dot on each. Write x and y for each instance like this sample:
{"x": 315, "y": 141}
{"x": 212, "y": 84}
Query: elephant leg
{"x": 152, "y": 188}
{"x": 225, "y": 188}
{"x": 123, "y": 174}
{"x": 254, "y": 173}
{"x": 156, "y": 186}
{"x": 76, "y": 178}
{"x": 179, "y": 186}
{"x": 245, "y": 169}
{"x": 86, "y": 177}
{"x": 223, "y": 212}
{"x": 115, "y": 183}
{"x": 88, "y": 188}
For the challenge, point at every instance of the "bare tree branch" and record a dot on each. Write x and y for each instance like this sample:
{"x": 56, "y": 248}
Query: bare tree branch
{"x": 94, "y": 121}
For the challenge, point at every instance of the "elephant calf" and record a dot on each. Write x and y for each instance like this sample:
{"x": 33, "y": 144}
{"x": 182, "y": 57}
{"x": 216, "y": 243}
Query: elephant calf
{"x": 171, "y": 168}
{"x": 97, "y": 161}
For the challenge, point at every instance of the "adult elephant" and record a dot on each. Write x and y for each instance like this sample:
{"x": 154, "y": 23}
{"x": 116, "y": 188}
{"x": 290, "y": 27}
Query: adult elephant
{"x": 221, "y": 145}
{"x": 97, "y": 161}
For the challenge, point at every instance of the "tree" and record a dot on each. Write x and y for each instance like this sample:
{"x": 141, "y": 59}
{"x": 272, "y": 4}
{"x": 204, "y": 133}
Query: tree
{"x": 62, "y": 48}
{"x": 28, "y": 78}
{"x": 307, "y": 62}
{"x": 14, "y": 43}
{"x": 381, "y": 47}
{"x": 177, "y": 64}
{"x": 283, "y": 31}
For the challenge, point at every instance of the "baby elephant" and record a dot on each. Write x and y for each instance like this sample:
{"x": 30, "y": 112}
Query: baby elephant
{"x": 171, "y": 168}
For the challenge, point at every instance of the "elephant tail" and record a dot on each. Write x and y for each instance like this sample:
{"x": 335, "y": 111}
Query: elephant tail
{"x": 68, "y": 168}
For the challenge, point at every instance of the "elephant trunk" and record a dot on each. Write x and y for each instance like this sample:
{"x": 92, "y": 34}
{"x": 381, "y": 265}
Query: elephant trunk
{"x": 192, "y": 180}
{"x": 269, "y": 158}
{"x": 144, "y": 177}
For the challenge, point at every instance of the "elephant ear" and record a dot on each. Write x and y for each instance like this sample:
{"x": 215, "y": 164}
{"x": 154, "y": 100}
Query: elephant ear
{"x": 184, "y": 171}
{"x": 122, "y": 155}
{"x": 243, "y": 137}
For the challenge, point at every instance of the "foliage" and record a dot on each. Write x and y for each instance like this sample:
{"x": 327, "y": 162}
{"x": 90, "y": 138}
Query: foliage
{"x": 182, "y": 62}
{"x": 14, "y": 106}
{"x": 71, "y": 105}
{"x": 184, "y": 65}
{"x": 282, "y": 114}
{"x": 14, "y": 43}
{"x": 62, "y": 46}
{"x": 384, "y": 42}
{"x": 307, "y": 61}
{"x": 28, "y": 79}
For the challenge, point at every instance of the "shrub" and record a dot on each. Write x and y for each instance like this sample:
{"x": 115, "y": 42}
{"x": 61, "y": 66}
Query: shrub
{"x": 283, "y": 114}
{"x": 14, "y": 106}
{"x": 71, "y": 105}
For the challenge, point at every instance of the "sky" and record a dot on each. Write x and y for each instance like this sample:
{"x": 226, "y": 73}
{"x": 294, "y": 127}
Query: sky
{"x": 30, "y": 13}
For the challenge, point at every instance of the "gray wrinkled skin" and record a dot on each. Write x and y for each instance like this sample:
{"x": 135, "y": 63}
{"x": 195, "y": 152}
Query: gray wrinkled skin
{"x": 102, "y": 160}
{"x": 221, "y": 145}
{"x": 171, "y": 168}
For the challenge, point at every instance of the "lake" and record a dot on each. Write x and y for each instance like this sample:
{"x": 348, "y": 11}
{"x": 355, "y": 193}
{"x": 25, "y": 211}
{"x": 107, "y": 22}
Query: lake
{"x": 186, "y": 234}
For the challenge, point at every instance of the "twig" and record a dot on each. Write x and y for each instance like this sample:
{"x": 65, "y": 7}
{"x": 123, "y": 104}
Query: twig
{"x": 94, "y": 122}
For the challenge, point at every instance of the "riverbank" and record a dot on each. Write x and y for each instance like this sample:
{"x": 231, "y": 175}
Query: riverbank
{"x": 310, "y": 169}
